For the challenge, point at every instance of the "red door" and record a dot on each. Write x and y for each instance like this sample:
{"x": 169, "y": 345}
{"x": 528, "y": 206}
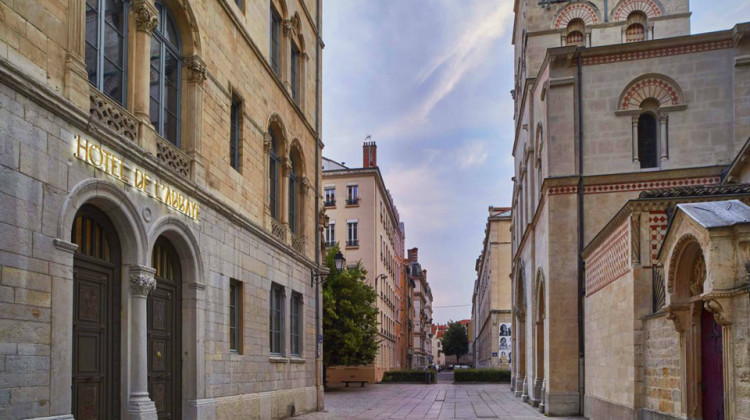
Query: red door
{"x": 712, "y": 369}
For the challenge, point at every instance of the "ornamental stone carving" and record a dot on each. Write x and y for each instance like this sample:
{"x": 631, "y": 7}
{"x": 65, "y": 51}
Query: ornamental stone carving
{"x": 172, "y": 158}
{"x": 267, "y": 141}
{"x": 111, "y": 115}
{"x": 146, "y": 17}
{"x": 197, "y": 71}
{"x": 141, "y": 284}
{"x": 306, "y": 184}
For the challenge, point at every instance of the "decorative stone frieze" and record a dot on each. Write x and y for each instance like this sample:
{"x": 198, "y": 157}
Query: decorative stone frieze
{"x": 172, "y": 158}
{"x": 278, "y": 230}
{"x": 113, "y": 116}
{"x": 298, "y": 242}
{"x": 146, "y": 17}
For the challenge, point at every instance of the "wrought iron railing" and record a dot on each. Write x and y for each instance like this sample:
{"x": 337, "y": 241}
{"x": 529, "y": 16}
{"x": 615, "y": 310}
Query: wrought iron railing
{"x": 659, "y": 295}
{"x": 352, "y": 201}
{"x": 352, "y": 243}
{"x": 329, "y": 203}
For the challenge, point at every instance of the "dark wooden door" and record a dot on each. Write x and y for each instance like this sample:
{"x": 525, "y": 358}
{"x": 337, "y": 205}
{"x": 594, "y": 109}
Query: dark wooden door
{"x": 96, "y": 321}
{"x": 712, "y": 368}
{"x": 164, "y": 332}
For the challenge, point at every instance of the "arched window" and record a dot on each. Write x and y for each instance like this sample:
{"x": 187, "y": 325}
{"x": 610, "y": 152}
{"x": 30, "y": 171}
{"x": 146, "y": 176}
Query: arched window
{"x": 636, "y": 27}
{"x": 575, "y": 32}
{"x": 106, "y": 56}
{"x": 293, "y": 196}
{"x": 166, "y": 68}
{"x": 273, "y": 176}
{"x": 647, "y": 140}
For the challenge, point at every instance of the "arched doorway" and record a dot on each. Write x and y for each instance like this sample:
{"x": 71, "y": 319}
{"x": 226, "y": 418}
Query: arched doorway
{"x": 96, "y": 316}
{"x": 164, "y": 314}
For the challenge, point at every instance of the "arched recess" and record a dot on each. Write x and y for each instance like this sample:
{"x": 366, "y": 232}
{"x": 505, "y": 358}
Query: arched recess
{"x": 586, "y": 11}
{"x": 276, "y": 146}
{"x": 185, "y": 242}
{"x": 637, "y": 27}
{"x": 297, "y": 189}
{"x": 540, "y": 311}
{"x": 652, "y": 9}
{"x": 649, "y": 99}
{"x": 519, "y": 335}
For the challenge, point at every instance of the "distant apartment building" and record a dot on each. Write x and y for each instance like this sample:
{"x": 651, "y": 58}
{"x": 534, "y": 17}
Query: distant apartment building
{"x": 438, "y": 356}
{"x": 491, "y": 301}
{"x": 422, "y": 312}
{"x": 365, "y": 222}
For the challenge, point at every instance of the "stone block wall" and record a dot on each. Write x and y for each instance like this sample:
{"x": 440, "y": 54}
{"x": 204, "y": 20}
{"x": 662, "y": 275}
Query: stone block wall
{"x": 662, "y": 380}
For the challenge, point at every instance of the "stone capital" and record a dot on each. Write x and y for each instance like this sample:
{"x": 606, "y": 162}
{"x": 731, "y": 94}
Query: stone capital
{"x": 267, "y": 141}
{"x": 142, "y": 280}
{"x": 197, "y": 72}
{"x": 146, "y": 16}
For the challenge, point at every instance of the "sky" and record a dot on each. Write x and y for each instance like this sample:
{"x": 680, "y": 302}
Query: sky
{"x": 430, "y": 81}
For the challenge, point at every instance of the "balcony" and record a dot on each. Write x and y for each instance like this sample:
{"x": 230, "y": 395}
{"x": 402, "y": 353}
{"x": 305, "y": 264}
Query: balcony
{"x": 329, "y": 244}
{"x": 354, "y": 243}
{"x": 330, "y": 203}
{"x": 352, "y": 201}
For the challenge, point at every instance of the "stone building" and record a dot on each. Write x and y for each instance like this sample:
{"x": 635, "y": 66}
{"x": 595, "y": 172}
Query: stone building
{"x": 491, "y": 300}
{"x": 612, "y": 98}
{"x": 159, "y": 175}
{"x": 422, "y": 312}
{"x": 364, "y": 220}
{"x": 405, "y": 325}
{"x": 438, "y": 357}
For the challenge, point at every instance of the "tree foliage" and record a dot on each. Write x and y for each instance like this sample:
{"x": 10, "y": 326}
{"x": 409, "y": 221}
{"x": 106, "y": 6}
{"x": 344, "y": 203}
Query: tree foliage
{"x": 350, "y": 316}
{"x": 455, "y": 340}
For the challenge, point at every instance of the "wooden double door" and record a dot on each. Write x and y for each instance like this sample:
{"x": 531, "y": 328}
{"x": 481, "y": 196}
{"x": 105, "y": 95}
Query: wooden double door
{"x": 97, "y": 297}
{"x": 165, "y": 332}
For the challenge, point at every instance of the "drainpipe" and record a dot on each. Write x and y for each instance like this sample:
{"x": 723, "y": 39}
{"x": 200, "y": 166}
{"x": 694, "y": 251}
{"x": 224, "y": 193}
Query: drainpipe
{"x": 318, "y": 141}
{"x": 581, "y": 276}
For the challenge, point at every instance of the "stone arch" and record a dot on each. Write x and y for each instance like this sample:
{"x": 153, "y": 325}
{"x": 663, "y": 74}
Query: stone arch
{"x": 187, "y": 24}
{"x": 659, "y": 87}
{"x": 623, "y": 9}
{"x": 297, "y": 152}
{"x": 688, "y": 243}
{"x": 111, "y": 200}
{"x": 584, "y": 10}
{"x": 281, "y": 8}
{"x": 186, "y": 244}
{"x": 274, "y": 122}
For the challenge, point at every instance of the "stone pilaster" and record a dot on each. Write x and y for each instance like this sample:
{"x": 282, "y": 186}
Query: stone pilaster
{"x": 663, "y": 143}
{"x": 76, "y": 76}
{"x": 146, "y": 21}
{"x": 193, "y": 106}
{"x": 142, "y": 283}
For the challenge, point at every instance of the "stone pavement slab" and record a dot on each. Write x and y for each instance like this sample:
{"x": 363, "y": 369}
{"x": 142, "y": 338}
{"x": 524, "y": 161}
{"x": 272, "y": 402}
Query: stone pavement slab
{"x": 417, "y": 401}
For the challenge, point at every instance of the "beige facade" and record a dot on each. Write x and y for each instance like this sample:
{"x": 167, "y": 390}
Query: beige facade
{"x": 422, "y": 313}
{"x": 134, "y": 143}
{"x": 491, "y": 301}
{"x": 364, "y": 221}
{"x": 645, "y": 105}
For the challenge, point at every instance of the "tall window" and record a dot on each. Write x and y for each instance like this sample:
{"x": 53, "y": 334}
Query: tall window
{"x": 106, "y": 55}
{"x": 235, "y": 315}
{"x": 240, "y": 4}
{"x": 647, "y": 141}
{"x": 295, "y": 72}
{"x": 331, "y": 233}
{"x": 273, "y": 176}
{"x": 352, "y": 194}
{"x": 275, "y": 42}
{"x": 295, "y": 331}
{"x": 276, "y": 321}
{"x": 330, "y": 196}
{"x": 353, "y": 234}
{"x": 234, "y": 133}
{"x": 636, "y": 27}
{"x": 293, "y": 193}
{"x": 166, "y": 68}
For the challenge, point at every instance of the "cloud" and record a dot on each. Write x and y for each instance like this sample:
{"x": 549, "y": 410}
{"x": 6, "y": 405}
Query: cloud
{"x": 472, "y": 154}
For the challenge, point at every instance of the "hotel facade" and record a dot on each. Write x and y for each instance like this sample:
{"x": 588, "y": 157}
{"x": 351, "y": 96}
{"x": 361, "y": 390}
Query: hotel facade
{"x": 159, "y": 183}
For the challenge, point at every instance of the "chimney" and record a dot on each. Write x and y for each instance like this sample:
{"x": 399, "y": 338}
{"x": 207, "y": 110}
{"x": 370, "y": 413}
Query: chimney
{"x": 413, "y": 255}
{"x": 369, "y": 154}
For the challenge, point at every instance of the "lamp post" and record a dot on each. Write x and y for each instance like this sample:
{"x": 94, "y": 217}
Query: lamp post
{"x": 318, "y": 278}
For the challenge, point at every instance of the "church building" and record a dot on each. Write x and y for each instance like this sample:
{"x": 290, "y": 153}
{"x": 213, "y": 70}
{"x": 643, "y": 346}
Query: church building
{"x": 629, "y": 212}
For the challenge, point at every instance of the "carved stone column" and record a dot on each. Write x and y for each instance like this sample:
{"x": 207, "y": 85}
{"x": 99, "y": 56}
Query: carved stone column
{"x": 142, "y": 283}
{"x": 525, "y": 391}
{"x": 197, "y": 73}
{"x": 634, "y": 131}
{"x": 663, "y": 143}
{"x": 76, "y": 76}
{"x": 146, "y": 20}
{"x": 290, "y": 32}
{"x": 283, "y": 198}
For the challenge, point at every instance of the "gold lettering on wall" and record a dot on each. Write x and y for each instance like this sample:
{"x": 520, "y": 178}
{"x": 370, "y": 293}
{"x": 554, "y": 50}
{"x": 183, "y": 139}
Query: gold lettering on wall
{"x": 105, "y": 160}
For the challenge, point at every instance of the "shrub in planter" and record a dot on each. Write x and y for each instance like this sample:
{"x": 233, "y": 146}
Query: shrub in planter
{"x": 481, "y": 375}
{"x": 408, "y": 376}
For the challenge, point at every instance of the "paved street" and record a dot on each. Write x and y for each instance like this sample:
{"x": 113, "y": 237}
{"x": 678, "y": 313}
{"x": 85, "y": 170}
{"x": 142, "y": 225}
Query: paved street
{"x": 412, "y": 401}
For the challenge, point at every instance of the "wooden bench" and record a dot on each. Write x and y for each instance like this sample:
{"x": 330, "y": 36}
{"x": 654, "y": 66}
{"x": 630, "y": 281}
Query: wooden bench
{"x": 361, "y": 383}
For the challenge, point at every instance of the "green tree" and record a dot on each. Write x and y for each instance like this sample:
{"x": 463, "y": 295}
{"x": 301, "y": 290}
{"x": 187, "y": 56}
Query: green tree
{"x": 455, "y": 340}
{"x": 350, "y": 316}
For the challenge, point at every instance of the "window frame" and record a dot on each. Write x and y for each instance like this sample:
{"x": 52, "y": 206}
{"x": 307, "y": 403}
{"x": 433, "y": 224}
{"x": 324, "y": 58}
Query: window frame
{"x": 165, "y": 47}
{"x": 275, "y": 47}
{"x": 278, "y": 348}
{"x": 329, "y": 196}
{"x": 273, "y": 178}
{"x": 293, "y": 198}
{"x": 352, "y": 236}
{"x": 295, "y": 324}
{"x": 235, "y": 316}
{"x": 330, "y": 233}
{"x": 235, "y": 133}
{"x": 655, "y": 118}
{"x": 101, "y": 25}
{"x": 294, "y": 73}
{"x": 352, "y": 194}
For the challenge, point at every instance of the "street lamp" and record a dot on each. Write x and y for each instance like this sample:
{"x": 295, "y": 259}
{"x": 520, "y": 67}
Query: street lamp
{"x": 382, "y": 276}
{"x": 338, "y": 261}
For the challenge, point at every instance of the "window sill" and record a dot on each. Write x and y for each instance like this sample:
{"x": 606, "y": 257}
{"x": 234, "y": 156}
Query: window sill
{"x": 352, "y": 247}
{"x": 352, "y": 205}
{"x": 297, "y": 360}
{"x": 278, "y": 359}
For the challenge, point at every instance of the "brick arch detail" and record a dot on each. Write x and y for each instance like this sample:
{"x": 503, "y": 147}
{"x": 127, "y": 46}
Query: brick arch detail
{"x": 655, "y": 86}
{"x": 650, "y": 7}
{"x": 584, "y": 10}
